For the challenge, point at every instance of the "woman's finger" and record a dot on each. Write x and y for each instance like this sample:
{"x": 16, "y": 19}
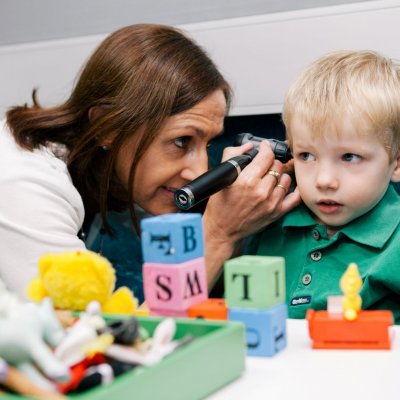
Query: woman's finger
{"x": 262, "y": 163}
{"x": 230, "y": 152}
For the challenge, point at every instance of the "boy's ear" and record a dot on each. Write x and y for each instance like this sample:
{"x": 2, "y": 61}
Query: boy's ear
{"x": 396, "y": 171}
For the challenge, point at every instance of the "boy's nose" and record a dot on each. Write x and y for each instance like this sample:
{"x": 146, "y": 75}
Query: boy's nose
{"x": 327, "y": 178}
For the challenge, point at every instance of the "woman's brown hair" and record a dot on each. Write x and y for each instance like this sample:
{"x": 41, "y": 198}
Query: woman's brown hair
{"x": 137, "y": 77}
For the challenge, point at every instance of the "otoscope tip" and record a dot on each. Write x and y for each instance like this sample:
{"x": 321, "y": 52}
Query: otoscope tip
{"x": 184, "y": 198}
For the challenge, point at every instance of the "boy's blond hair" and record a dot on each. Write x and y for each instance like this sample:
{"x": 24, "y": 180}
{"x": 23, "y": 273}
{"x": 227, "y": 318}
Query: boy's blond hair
{"x": 362, "y": 85}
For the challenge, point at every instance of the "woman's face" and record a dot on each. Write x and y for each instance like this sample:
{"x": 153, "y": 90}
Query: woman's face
{"x": 177, "y": 155}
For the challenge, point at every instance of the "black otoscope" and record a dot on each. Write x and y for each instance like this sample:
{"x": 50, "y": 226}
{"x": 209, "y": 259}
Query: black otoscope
{"x": 227, "y": 172}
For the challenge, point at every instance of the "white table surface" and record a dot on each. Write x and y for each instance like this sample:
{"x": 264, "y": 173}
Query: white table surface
{"x": 299, "y": 372}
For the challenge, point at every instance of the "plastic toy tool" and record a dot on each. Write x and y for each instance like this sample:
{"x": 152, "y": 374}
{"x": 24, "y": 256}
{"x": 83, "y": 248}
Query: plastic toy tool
{"x": 353, "y": 328}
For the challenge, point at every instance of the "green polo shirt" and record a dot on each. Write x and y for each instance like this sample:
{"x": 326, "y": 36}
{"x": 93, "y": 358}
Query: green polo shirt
{"x": 315, "y": 262}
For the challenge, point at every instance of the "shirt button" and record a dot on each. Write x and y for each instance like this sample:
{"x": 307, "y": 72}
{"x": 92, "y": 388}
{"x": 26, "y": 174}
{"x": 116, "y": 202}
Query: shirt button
{"x": 315, "y": 234}
{"x": 306, "y": 279}
{"x": 316, "y": 255}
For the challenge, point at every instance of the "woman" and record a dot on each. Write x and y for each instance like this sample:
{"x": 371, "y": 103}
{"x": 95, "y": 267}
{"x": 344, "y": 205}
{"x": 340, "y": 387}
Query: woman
{"x": 135, "y": 128}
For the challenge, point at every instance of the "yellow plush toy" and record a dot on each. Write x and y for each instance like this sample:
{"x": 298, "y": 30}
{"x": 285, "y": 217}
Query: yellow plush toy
{"x": 74, "y": 279}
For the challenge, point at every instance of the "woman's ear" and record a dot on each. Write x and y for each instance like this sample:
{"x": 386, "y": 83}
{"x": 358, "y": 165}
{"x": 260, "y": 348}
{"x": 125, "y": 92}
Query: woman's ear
{"x": 94, "y": 113}
{"x": 396, "y": 171}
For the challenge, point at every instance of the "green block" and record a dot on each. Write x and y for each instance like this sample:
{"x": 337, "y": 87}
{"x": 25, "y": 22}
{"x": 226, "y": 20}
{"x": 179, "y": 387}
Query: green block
{"x": 254, "y": 282}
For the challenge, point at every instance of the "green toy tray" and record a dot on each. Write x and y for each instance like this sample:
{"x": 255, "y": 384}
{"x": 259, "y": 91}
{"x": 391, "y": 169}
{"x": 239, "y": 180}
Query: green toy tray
{"x": 214, "y": 358}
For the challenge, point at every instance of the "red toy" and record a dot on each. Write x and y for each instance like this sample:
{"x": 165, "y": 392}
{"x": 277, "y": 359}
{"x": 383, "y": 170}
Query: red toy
{"x": 350, "y": 328}
{"x": 209, "y": 309}
{"x": 369, "y": 331}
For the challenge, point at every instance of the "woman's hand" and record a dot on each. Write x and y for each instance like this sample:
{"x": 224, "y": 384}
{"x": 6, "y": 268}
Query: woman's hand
{"x": 253, "y": 201}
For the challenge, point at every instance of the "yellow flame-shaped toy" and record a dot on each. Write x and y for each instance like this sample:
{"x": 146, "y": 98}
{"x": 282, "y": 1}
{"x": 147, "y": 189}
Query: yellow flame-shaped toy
{"x": 351, "y": 283}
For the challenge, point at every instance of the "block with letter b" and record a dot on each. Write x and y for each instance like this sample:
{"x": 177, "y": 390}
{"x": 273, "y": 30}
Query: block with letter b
{"x": 265, "y": 329}
{"x": 175, "y": 286}
{"x": 172, "y": 238}
{"x": 254, "y": 282}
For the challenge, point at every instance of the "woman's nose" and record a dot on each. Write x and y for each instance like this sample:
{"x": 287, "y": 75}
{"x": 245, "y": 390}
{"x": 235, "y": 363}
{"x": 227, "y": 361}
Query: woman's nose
{"x": 195, "y": 166}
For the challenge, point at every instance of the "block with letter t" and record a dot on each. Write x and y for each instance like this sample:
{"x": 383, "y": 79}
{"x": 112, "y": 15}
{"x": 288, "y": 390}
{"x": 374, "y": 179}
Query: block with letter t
{"x": 175, "y": 287}
{"x": 255, "y": 294}
{"x": 256, "y": 282}
{"x": 172, "y": 238}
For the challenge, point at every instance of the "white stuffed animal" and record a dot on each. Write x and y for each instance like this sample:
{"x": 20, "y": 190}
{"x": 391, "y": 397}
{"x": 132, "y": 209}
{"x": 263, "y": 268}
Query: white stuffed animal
{"x": 28, "y": 331}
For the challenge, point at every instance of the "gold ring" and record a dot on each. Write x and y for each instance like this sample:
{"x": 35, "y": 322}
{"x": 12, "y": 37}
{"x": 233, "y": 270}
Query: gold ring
{"x": 275, "y": 174}
{"x": 282, "y": 187}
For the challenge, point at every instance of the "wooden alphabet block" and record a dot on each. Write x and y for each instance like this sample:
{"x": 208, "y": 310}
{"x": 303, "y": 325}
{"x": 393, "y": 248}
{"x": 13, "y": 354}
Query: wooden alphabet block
{"x": 175, "y": 287}
{"x": 172, "y": 238}
{"x": 254, "y": 282}
{"x": 209, "y": 309}
{"x": 265, "y": 329}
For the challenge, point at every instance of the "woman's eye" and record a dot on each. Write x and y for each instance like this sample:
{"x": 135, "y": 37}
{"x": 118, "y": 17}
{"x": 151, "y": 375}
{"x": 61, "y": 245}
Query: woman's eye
{"x": 306, "y": 156}
{"x": 349, "y": 157}
{"x": 182, "y": 142}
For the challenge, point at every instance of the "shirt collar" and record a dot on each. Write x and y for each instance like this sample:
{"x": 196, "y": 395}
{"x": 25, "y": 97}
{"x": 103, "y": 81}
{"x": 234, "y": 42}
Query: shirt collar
{"x": 373, "y": 228}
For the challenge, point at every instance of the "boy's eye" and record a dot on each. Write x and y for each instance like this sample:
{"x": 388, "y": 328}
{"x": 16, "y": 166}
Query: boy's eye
{"x": 306, "y": 156}
{"x": 182, "y": 142}
{"x": 349, "y": 157}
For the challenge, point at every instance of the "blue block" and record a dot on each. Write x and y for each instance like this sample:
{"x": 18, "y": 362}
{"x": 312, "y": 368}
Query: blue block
{"x": 172, "y": 238}
{"x": 265, "y": 329}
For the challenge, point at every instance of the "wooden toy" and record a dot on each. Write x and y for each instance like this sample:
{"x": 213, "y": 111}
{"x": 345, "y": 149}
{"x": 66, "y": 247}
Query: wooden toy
{"x": 209, "y": 309}
{"x": 172, "y": 238}
{"x": 350, "y": 328}
{"x": 255, "y": 295}
{"x": 12, "y": 378}
{"x": 265, "y": 329}
{"x": 254, "y": 282}
{"x": 175, "y": 287}
{"x": 369, "y": 331}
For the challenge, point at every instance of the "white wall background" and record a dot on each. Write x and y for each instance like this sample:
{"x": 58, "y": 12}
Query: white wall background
{"x": 262, "y": 55}
{"x": 24, "y": 21}
{"x": 259, "y": 54}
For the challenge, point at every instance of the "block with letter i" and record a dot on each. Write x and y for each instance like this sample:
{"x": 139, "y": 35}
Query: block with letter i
{"x": 255, "y": 295}
{"x": 174, "y": 273}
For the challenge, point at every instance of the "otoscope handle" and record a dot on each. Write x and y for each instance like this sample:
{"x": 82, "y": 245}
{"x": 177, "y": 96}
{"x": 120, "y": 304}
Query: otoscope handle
{"x": 280, "y": 149}
{"x": 212, "y": 181}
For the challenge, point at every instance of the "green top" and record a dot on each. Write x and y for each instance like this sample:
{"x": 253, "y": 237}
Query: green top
{"x": 123, "y": 249}
{"x": 315, "y": 262}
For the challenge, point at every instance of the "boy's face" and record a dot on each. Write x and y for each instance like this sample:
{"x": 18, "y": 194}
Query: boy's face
{"x": 340, "y": 176}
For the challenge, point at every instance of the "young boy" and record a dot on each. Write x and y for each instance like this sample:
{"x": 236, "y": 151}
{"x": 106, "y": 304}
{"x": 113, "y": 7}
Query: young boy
{"x": 342, "y": 117}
